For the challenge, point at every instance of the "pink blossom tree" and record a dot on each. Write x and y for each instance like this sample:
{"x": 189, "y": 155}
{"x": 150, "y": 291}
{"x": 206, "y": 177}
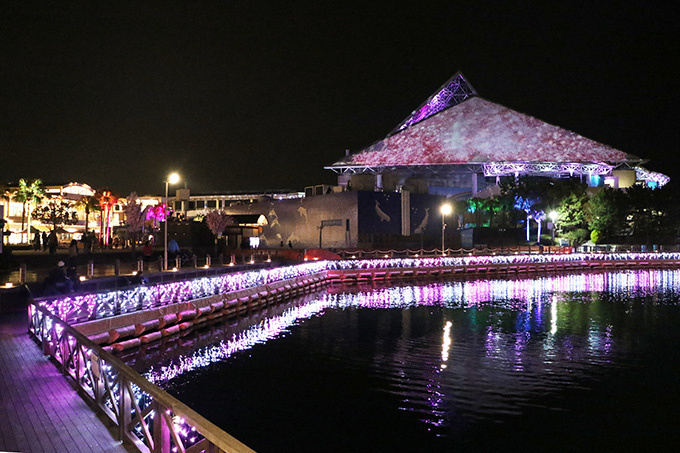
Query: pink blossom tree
{"x": 135, "y": 218}
{"x": 217, "y": 221}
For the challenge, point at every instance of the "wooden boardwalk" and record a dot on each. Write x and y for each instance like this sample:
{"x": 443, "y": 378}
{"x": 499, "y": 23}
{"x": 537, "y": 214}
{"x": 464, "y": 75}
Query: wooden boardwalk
{"x": 39, "y": 409}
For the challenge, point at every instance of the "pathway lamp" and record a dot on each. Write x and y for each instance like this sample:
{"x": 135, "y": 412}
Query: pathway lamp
{"x": 445, "y": 210}
{"x": 173, "y": 178}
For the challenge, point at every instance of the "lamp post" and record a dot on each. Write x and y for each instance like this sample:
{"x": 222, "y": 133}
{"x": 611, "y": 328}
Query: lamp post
{"x": 173, "y": 178}
{"x": 445, "y": 210}
{"x": 553, "y": 217}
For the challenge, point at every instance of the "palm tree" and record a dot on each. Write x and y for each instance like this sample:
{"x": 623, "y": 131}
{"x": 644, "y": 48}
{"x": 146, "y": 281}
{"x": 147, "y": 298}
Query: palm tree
{"x": 28, "y": 193}
{"x": 90, "y": 204}
{"x": 21, "y": 196}
{"x": 106, "y": 201}
{"x": 36, "y": 192}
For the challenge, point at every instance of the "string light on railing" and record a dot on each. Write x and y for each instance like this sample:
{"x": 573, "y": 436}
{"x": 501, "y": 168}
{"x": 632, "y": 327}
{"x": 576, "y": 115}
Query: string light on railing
{"x": 121, "y": 301}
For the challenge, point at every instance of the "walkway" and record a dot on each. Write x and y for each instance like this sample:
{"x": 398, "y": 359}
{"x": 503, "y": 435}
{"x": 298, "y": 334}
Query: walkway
{"x": 39, "y": 410}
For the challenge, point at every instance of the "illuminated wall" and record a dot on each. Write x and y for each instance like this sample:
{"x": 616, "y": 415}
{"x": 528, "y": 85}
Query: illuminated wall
{"x": 298, "y": 221}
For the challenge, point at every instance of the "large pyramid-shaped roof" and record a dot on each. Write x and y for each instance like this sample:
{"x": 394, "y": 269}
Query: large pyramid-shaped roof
{"x": 466, "y": 129}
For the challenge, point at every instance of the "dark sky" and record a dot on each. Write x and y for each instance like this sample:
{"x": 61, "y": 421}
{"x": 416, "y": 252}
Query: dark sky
{"x": 255, "y": 95}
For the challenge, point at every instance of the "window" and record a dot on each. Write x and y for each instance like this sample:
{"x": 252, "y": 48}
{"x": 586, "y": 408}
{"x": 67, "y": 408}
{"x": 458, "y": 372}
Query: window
{"x": 212, "y": 204}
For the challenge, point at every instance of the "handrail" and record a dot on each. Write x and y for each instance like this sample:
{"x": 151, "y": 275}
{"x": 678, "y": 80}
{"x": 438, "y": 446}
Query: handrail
{"x": 73, "y": 308}
{"x": 163, "y": 423}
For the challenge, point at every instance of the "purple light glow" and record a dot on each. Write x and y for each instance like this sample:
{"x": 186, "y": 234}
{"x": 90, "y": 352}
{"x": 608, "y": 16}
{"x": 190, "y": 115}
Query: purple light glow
{"x": 261, "y": 333}
{"x": 79, "y": 308}
{"x": 105, "y": 304}
{"x": 528, "y": 296}
{"x": 453, "y": 92}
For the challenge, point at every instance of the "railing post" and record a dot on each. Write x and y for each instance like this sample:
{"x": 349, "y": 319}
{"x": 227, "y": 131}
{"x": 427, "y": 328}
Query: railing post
{"x": 161, "y": 431}
{"x": 116, "y": 267}
{"x": 22, "y": 273}
{"x": 194, "y": 258}
{"x": 124, "y": 407}
{"x": 178, "y": 262}
{"x": 221, "y": 259}
{"x": 208, "y": 260}
{"x": 90, "y": 268}
{"x": 140, "y": 265}
{"x": 160, "y": 264}
{"x": 233, "y": 259}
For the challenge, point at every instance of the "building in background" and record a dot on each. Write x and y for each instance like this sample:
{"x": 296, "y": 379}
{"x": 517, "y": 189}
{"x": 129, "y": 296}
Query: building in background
{"x": 458, "y": 143}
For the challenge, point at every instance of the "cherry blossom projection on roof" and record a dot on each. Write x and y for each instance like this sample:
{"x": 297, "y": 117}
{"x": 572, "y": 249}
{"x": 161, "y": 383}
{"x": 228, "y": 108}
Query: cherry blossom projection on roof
{"x": 455, "y": 131}
{"x": 642, "y": 174}
{"x": 480, "y": 131}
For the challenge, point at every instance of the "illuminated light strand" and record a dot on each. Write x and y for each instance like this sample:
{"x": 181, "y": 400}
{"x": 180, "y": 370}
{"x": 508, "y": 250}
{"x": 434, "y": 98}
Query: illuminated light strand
{"x": 262, "y": 332}
{"x": 525, "y": 295}
{"x": 111, "y": 303}
{"x": 106, "y": 304}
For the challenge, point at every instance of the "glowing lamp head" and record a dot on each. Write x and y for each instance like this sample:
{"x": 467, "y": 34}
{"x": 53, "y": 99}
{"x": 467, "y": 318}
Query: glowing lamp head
{"x": 553, "y": 216}
{"x": 446, "y": 209}
{"x": 173, "y": 178}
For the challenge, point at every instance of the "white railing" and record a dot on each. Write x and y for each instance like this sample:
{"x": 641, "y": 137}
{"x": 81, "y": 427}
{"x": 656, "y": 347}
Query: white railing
{"x": 146, "y": 416}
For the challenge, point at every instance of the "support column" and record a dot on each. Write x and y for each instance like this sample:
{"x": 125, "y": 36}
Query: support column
{"x": 474, "y": 184}
{"x": 378, "y": 183}
{"x": 405, "y": 213}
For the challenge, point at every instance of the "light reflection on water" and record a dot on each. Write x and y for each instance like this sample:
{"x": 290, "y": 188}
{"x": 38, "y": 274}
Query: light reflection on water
{"x": 452, "y": 356}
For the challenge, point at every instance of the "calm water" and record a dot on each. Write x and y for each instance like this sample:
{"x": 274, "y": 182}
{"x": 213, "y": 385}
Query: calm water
{"x": 581, "y": 362}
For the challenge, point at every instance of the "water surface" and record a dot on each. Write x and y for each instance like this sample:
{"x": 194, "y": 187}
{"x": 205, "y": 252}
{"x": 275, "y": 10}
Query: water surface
{"x": 579, "y": 362}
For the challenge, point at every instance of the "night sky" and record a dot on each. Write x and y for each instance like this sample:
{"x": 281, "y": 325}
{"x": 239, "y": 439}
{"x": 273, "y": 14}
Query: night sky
{"x": 253, "y": 95}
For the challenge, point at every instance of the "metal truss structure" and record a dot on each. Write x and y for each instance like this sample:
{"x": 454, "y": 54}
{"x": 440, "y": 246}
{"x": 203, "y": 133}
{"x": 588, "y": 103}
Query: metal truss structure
{"x": 554, "y": 169}
{"x": 453, "y": 92}
{"x": 546, "y": 169}
{"x": 642, "y": 174}
{"x": 433, "y": 170}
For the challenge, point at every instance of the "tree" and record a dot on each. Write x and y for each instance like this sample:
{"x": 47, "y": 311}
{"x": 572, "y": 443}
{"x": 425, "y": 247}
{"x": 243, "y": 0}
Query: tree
{"x": 27, "y": 194}
{"x": 107, "y": 201}
{"x": 89, "y": 204}
{"x": 475, "y": 206}
{"x": 217, "y": 221}
{"x": 56, "y": 213}
{"x": 135, "y": 218}
{"x": 525, "y": 204}
{"x": 651, "y": 212}
{"x": 539, "y": 216}
{"x": 605, "y": 212}
{"x": 571, "y": 211}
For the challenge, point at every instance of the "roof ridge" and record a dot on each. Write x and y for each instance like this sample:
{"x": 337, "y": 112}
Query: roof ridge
{"x": 452, "y": 92}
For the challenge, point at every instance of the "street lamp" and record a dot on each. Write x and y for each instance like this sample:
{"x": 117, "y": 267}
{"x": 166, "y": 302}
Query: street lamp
{"x": 445, "y": 209}
{"x": 173, "y": 178}
{"x": 553, "y": 217}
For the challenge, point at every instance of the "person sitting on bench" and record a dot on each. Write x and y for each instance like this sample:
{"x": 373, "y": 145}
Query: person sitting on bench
{"x": 57, "y": 282}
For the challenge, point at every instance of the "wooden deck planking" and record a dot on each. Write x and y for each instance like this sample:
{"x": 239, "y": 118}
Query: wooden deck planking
{"x": 39, "y": 409}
